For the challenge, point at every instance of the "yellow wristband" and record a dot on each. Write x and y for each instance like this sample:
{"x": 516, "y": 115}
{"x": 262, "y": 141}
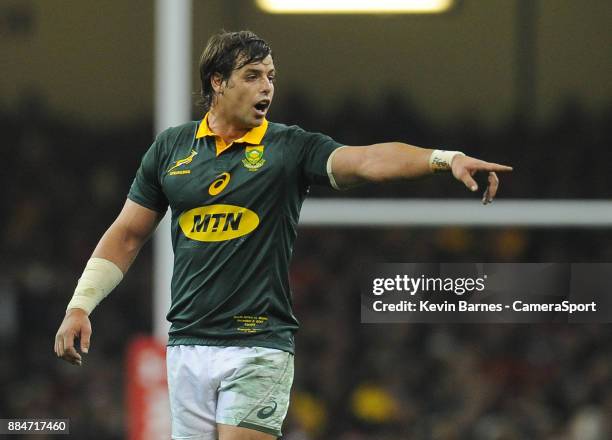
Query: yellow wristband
{"x": 440, "y": 160}
{"x": 99, "y": 278}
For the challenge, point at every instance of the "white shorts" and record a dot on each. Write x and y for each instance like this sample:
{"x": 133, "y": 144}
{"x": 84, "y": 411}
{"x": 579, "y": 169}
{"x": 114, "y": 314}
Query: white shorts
{"x": 239, "y": 386}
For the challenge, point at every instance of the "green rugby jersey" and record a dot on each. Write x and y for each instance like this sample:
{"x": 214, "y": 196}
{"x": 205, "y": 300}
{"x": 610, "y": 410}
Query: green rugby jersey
{"x": 235, "y": 212}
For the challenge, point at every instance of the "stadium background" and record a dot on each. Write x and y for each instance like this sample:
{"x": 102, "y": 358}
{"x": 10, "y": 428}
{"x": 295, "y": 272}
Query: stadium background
{"x": 519, "y": 82}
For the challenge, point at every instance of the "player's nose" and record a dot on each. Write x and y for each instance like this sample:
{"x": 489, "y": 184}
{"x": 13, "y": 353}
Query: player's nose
{"x": 267, "y": 86}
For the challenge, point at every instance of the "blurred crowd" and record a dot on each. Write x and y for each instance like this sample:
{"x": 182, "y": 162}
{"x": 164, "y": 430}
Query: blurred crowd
{"x": 64, "y": 183}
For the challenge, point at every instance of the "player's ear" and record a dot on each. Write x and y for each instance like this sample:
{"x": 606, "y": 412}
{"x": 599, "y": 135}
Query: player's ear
{"x": 216, "y": 81}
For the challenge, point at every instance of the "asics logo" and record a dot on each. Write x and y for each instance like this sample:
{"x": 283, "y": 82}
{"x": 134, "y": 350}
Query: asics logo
{"x": 267, "y": 411}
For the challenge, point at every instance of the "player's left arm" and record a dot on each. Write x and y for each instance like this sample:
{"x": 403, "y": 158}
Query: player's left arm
{"x": 351, "y": 166}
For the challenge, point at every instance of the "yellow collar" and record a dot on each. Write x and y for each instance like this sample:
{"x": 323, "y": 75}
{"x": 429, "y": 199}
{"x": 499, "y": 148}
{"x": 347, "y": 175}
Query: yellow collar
{"x": 253, "y": 136}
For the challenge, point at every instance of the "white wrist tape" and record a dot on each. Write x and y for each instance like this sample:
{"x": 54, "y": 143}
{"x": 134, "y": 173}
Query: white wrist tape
{"x": 99, "y": 278}
{"x": 440, "y": 160}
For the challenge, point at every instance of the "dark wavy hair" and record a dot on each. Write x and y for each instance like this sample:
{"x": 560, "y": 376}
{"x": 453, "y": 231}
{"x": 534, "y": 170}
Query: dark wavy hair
{"x": 224, "y": 53}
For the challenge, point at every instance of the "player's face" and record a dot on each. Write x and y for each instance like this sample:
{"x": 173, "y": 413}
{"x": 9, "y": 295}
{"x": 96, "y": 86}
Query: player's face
{"x": 248, "y": 93}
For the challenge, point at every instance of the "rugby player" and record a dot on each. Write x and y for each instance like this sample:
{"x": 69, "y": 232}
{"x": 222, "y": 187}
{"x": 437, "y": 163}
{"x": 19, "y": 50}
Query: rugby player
{"x": 235, "y": 184}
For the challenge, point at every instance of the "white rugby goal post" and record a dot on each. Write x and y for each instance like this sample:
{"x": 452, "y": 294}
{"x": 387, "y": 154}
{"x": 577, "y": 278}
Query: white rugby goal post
{"x": 566, "y": 213}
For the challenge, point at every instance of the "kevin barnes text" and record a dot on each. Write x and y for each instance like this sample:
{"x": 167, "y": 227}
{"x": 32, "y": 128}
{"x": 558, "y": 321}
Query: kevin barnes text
{"x": 465, "y": 306}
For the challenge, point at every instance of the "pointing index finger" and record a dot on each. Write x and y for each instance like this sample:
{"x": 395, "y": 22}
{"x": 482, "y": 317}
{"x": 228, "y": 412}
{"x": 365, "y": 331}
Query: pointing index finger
{"x": 489, "y": 166}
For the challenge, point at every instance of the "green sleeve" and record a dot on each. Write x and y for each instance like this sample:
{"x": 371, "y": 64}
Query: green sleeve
{"x": 146, "y": 189}
{"x": 313, "y": 151}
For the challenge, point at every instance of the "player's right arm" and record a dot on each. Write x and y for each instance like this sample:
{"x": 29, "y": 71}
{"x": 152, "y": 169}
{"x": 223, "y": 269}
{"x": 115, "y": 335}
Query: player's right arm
{"x": 112, "y": 258}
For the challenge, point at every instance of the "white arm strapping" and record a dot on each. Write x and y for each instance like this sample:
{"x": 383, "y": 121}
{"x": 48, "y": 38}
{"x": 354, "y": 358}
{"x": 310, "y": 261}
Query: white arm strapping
{"x": 99, "y": 278}
{"x": 440, "y": 160}
{"x": 332, "y": 179}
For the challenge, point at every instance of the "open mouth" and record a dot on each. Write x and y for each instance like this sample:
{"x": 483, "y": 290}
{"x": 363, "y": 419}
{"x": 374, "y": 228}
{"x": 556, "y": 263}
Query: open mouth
{"x": 262, "y": 106}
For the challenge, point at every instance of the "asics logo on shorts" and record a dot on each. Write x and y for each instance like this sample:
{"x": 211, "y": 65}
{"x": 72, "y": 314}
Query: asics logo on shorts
{"x": 267, "y": 411}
